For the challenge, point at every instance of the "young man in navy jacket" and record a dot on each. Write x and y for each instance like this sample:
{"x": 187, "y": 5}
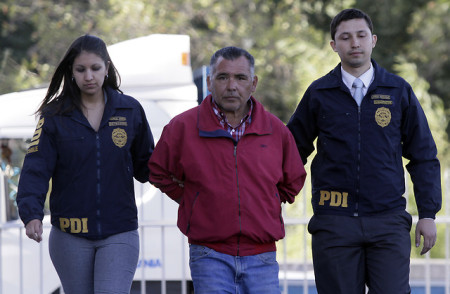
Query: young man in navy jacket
{"x": 360, "y": 228}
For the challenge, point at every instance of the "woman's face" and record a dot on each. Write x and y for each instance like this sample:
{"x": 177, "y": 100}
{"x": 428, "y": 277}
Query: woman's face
{"x": 89, "y": 71}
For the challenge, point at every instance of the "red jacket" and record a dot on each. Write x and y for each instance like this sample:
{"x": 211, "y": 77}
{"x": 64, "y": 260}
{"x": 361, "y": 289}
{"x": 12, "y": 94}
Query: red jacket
{"x": 232, "y": 192}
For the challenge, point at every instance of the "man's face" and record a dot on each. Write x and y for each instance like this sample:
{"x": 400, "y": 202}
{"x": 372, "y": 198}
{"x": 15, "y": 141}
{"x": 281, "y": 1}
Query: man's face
{"x": 231, "y": 84}
{"x": 353, "y": 43}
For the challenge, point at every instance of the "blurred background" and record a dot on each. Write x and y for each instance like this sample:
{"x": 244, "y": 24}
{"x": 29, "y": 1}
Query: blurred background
{"x": 290, "y": 42}
{"x": 289, "y": 39}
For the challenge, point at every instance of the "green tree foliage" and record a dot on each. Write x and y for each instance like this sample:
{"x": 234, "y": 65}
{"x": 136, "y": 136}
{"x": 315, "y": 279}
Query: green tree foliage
{"x": 15, "y": 42}
{"x": 289, "y": 38}
{"x": 430, "y": 48}
{"x": 274, "y": 31}
{"x": 431, "y": 104}
{"x": 34, "y": 35}
{"x": 391, "y": 19}
{"x": 434, "y": 109}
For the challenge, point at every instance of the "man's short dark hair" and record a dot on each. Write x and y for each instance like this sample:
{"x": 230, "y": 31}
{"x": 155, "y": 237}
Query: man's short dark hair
{"x": 348, "y": 14}
{"x": 232, "y": 53}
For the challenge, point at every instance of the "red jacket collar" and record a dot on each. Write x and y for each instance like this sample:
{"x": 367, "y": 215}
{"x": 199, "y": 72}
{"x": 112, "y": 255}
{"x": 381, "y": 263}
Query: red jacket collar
{"x": 208, "y": 122}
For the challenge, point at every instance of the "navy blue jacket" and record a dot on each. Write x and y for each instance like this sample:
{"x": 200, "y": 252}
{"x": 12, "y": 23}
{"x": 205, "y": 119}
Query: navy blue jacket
{"x": 92, "y": 187}
{"x": 358, "y": 167}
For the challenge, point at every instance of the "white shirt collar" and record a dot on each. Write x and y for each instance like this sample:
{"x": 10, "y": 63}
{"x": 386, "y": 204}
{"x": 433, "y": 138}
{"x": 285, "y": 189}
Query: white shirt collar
{"x": 366, "y": 78}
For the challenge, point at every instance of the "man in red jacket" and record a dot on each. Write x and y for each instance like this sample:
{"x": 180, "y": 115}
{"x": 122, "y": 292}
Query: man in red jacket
{"x": 230, "y": 164}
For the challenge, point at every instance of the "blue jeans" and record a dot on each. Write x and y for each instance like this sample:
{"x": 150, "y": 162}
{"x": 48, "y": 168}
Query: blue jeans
{"x": 95, "y": 266}
{"x": 214, "y": 272}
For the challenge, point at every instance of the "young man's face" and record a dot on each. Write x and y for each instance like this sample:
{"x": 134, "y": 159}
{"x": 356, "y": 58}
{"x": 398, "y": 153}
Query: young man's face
{"x": 354, "y": 42}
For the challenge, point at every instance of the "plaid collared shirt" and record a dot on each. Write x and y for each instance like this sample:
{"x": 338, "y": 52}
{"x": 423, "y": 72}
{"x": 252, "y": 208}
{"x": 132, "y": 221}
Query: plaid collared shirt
{"x": 238, "y": 131}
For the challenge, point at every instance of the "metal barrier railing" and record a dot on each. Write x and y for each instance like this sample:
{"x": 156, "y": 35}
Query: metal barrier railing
{"x": 19, "y": 268}
{"x": 303, "y": 269}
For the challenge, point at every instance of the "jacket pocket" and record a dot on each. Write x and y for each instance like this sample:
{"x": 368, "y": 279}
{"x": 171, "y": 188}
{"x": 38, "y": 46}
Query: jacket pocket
{"x": 191, "y": 212}
{"x": 280, "y": 211}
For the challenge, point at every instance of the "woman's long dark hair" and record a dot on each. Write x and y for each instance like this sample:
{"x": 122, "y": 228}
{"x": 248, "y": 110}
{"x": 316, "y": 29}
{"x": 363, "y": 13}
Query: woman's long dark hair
{"x": 60, "y": 101}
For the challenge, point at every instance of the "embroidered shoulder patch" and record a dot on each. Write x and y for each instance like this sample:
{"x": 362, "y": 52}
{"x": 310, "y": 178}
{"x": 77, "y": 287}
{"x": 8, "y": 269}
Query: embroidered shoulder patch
{"x": 33, "y": 147}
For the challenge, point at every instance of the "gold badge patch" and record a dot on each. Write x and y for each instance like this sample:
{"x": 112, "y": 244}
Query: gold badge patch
{"x": 383, "y": 116}
{"x": 119, "y": 137}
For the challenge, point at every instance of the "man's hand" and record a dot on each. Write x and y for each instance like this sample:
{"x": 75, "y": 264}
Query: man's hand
{"x": 34, "y": 230}
{"x": 427, "y": 228}
{"x": 179, "y": 182}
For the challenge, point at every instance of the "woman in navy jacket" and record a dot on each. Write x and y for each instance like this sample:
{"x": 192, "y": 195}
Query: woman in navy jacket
{"x": 89, "y": 143}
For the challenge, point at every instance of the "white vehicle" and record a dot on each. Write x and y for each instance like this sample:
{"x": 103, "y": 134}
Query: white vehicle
{"x": 155, "y": 70}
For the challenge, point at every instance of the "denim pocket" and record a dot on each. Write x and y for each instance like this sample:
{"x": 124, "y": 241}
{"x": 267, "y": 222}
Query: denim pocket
{"x": 197, "y": 252}
{"x": 268, "y": 257}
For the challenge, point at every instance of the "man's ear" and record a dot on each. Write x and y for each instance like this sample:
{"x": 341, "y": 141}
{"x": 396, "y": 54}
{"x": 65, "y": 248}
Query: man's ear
{"x": 208, "y": 83}
{"x": 255, "y": 82}
{"x": 374, "y": 40}
{"x": 333, "y": 45}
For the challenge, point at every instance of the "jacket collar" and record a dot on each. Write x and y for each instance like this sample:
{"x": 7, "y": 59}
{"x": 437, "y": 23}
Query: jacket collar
{"x": 114, "y": 101}
{"x": 334, "y": 79}
{"x": 209, "y": 126}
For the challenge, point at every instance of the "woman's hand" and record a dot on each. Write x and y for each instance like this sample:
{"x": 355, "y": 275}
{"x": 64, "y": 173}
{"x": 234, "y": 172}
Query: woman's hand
{"x": 34, "y": 230}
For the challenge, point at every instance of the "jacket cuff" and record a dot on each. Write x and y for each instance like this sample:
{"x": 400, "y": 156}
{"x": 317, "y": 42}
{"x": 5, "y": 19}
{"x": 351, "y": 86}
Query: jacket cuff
{"x": 427, "y": 214}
